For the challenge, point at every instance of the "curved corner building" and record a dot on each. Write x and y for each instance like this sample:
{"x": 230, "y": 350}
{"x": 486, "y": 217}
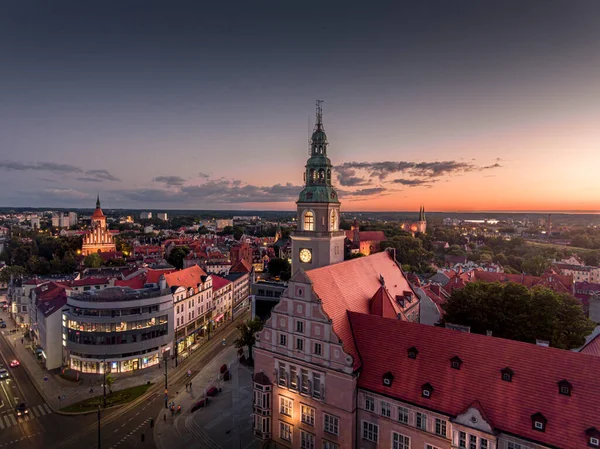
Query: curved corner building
{"x": 126, "y": 328}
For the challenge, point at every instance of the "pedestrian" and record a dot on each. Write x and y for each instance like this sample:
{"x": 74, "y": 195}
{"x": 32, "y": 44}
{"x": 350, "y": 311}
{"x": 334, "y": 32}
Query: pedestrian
{"x": 21, "y": 341}
{"x": 186, "y": 386}
{"x": 190, "y": 385}
{"x": 91, "y": 390}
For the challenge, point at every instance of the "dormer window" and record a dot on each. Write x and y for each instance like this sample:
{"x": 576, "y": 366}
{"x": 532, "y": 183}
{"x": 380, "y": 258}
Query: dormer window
{"x": 412, "y": 353}
{"x": 400, "y": 300}
{"x": 408, "y": 296}
{"x": 388, "y": 379}
{"x": 593, "y": 435}
{"x": 538, "y": 422}
{"x": 455, "y": 362}
{"x": 507, "y": 374}
{"x": 565, "y": 387}
{"x": 426, "y": 390}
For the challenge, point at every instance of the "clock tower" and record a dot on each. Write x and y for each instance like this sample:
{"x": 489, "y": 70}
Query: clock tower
{"x": 317, "y": 240}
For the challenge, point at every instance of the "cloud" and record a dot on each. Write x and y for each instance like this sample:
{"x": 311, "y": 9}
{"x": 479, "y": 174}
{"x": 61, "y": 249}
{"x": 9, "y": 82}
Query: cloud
{"x": 39, "y": 166}
{"x": 382, "y": 170}
{"x": 216, "y": 191}
{"x": 413, "y": 182}
{"x": 72, "y": 194}
{"x": 203, "y": 175}
{"x": 102, "y": 174}
{"x": 170, "y": 181}
{"x": 89, "y": 179}
{"x": 53, "y": 181}
{"x": 347, "y": 177}
{"x": 52, "y": 167}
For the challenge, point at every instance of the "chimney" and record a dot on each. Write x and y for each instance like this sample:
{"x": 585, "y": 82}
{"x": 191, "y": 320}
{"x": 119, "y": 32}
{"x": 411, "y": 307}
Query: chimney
{"x": 543, "y": 343}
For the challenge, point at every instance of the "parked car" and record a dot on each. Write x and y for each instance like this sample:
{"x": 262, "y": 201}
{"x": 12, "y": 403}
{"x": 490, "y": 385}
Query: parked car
{"x": 201, "y": 403}
{"x": 14, "y": 363}
{"x": 212, "y": 391}
{"x": 22, "y": 409}
{"x": 2, "y": 325}
{"x": 3, "y": 373}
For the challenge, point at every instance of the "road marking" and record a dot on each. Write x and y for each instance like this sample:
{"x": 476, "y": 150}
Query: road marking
{"x": 7, "y": 421}
{"x": 48, "y": 409}
{"x": 41, "y": 410}
{"x": 1, "y": 424}
{"x": 14, "y": 421}
{"x": 34, "y": 412}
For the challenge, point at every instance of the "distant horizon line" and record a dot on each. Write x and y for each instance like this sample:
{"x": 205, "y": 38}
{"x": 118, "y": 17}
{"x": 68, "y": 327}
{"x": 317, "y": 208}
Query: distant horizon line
{"x": 241, "y": 212}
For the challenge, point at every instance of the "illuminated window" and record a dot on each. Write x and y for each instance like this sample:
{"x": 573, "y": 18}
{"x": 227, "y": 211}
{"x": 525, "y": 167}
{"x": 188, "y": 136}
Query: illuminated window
{"x": 333, "y": 221}
{"x": 309, "y": 221}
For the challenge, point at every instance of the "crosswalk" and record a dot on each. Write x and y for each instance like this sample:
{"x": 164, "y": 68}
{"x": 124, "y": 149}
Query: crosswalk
{"x": 36, "y": 411}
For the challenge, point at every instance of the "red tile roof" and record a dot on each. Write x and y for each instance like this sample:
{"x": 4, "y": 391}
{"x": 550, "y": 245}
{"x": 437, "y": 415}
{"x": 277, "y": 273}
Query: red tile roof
{"x": 592, "y": 347}
{"x": 188, "y": 277}
{"x": 509, "y": 405}
{"x": 350, "y": 285}
{"x": 241, "y": 267}
{"x": 88, "y": 281}
{"x": 367, "y": 236}
{"x": 152, "y": 276}
{"x": 136, "y": 282}
{"x": 218, "y": 282}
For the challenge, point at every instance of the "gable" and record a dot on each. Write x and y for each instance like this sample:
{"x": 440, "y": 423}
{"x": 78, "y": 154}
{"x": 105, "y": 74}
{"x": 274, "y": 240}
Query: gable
{"x": 474, "y": 419}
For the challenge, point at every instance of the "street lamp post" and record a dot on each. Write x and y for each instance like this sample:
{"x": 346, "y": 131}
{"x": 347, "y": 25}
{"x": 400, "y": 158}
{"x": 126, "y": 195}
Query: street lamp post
{"x": 99, "y": 438}
{"x": 104, "y": 382}
{"x": 166, "y": 362}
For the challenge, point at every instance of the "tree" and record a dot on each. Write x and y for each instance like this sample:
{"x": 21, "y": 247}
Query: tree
{"x": 15, "y": 271}
{"x": 93, "y": 260}
{"x": 536, "y": 265}
{"x": 177, "y": 255}
{"x": 248, "y": 330}
{"x": 110, "y": 381}
{"x": 277, "y": 266}
{"x": 515, "y": 312}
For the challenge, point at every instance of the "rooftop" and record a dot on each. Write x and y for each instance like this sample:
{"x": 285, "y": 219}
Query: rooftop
{"x": 119, "y": 294}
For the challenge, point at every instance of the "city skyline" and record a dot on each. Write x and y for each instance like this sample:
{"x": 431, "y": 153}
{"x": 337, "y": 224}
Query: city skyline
{"x": 464, "y": 107}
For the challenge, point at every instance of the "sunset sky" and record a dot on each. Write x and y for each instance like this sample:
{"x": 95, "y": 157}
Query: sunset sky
{"x": 457, "y": 105}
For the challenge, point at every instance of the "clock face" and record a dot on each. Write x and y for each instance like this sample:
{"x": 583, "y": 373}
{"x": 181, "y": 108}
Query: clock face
{"x": 305, "y": 255}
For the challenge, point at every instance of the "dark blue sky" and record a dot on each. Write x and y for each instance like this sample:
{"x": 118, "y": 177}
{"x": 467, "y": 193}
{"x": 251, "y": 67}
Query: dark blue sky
{"x": 206, "y": 104}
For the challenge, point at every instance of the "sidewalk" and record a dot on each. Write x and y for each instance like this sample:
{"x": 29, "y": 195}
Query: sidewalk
{"x": 52, "y": 386}
{"x": 224, "y": 423}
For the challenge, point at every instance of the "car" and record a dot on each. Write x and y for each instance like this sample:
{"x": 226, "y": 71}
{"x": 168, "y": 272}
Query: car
{"x": 3, "y": 373}
{"x": 3, "y": 325}
{"x": 14, "y": 363}
{"x": 22, "y": 409}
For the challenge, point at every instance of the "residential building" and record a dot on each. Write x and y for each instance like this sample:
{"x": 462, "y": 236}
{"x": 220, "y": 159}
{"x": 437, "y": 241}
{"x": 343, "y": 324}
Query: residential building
{"x": 264, "y": 295}
{"x": 72, "y": 218}
{"x": 222, "y": 299}
{"x": 580, "y": 273}
{"x": 364, "y": 242}
{"x": 99, "y": 239}
{"x": 193, "y": 305}
{"x": 19, "y": 294}
{"x": 240, "y": 251}
{"x": 145, "y": 215}
{"x": 35, "y": 222}
{"x": 47, "y": 302}
{"x": 323, "y": 378}
{"x": 222, "y": 223}
{"x": 318, "y": 241}
{"x": 241, "y": 275}
{"x": 118, "y": 329}
{"x": 162, "y": 216}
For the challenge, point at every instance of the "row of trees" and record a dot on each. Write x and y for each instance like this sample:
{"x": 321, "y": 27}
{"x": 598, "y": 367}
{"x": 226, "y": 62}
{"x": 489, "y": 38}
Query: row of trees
{"x": 515, "y": 312}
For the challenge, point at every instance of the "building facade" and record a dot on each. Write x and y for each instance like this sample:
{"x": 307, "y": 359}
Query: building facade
{"x": 337, "y": 366}
{"x": 318, "y": 240}
{"x": 192, "y": 292}
{"x": 99, "y": 239}
{"x": 222, "y": 299}
{"x": 118, "y": 329}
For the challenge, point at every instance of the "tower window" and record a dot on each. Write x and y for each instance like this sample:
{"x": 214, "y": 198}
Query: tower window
{"x": 333, "y": 221}
{"x": 309, "y": 221}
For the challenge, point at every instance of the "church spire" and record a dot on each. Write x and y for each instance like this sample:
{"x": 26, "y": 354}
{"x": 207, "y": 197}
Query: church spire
{"x": 98, "y": 201}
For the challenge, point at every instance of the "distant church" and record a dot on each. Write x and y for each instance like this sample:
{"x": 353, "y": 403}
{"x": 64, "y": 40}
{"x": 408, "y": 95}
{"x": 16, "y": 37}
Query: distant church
{"x": 99, "y": 239}
{"x": 418, "y": 226}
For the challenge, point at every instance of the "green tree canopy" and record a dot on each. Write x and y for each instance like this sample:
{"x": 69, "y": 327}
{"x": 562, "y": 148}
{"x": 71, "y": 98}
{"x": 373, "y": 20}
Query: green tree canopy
{"x": 248, "y": 330}
{"x": 515, "y": 312}
{"x": 92, "y": 260}
{"x": 277, "y": 266}
{"x": 177, "y": 255}
{"x": 15, "y": 271}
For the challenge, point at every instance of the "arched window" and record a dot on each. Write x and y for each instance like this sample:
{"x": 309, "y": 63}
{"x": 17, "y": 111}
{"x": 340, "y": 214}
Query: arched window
{"x": 309, "y": 221}
{"x": 321, "y": 174}
{"x": 312, "y": 174}
{"x": 328, "y": 175}
{"x": 333, "y": 221}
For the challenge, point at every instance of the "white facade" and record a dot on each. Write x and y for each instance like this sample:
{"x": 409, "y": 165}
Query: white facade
{"x": 49, "y": 332}
{"x": 146, "y": 215}
{"x": 162, "y": 216}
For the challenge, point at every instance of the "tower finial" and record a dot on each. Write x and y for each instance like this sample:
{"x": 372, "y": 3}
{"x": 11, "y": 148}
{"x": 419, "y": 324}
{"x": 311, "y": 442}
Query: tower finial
{"x": 98, "y": 201}
{"x": 319, "y": 123}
